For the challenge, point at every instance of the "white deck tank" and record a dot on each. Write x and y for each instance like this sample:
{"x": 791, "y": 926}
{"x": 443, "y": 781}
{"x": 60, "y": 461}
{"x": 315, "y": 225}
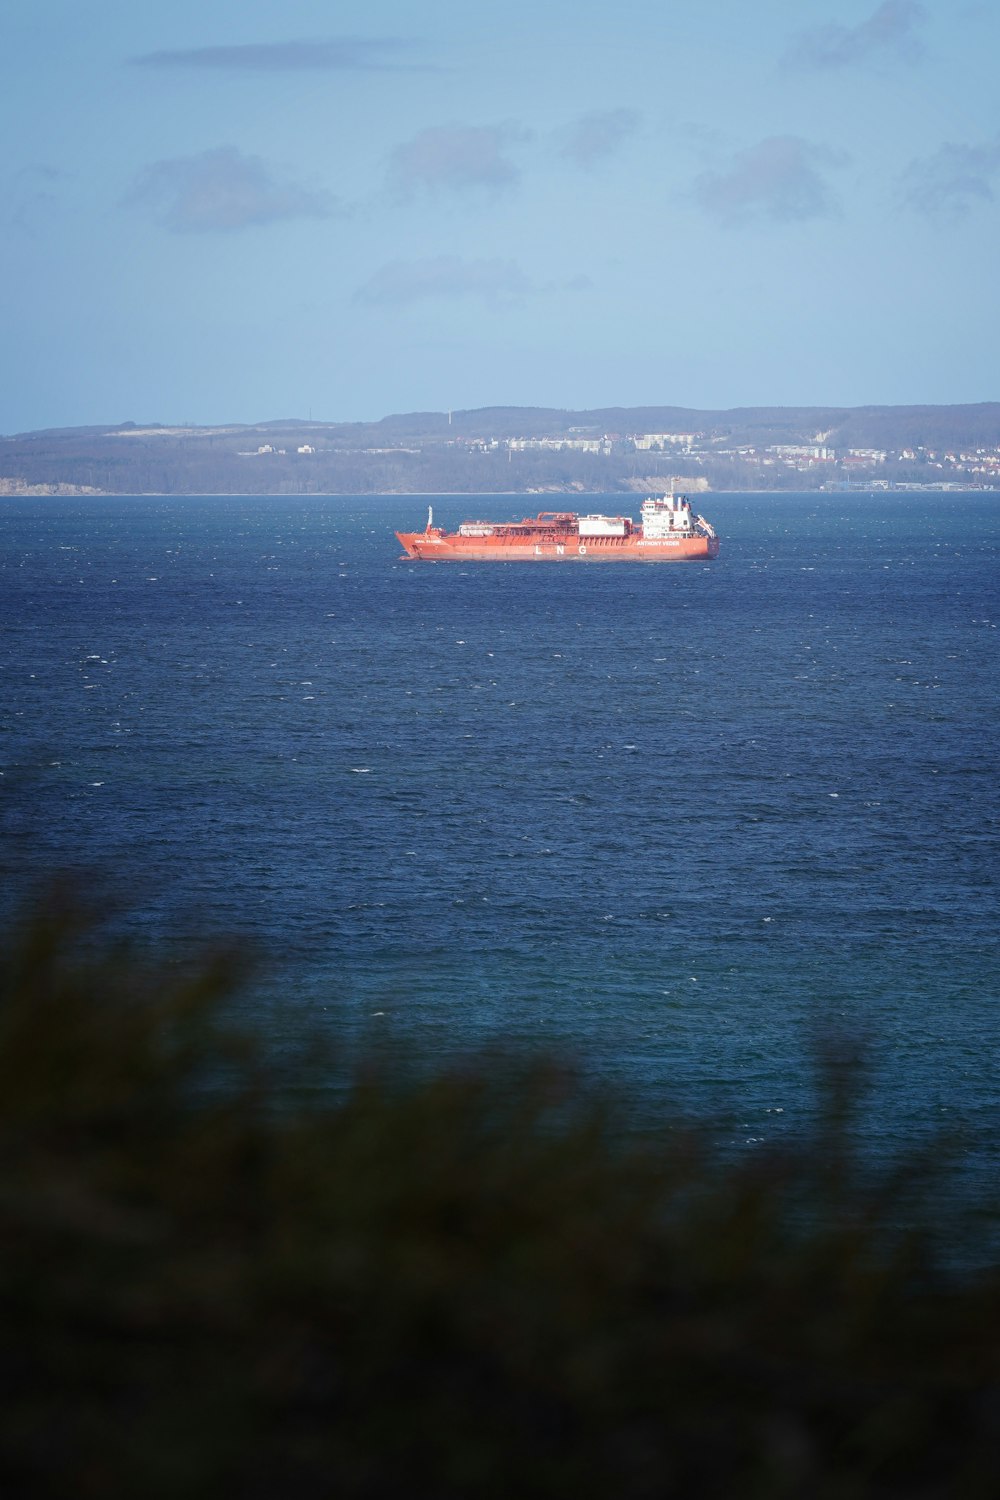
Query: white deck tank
{"x": 603, "y": 526}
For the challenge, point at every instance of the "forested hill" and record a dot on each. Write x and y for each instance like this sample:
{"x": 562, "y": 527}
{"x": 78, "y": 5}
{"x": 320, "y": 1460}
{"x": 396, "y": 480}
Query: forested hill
{"x": 509, "y": 449}
{"x": 877, "y": 426}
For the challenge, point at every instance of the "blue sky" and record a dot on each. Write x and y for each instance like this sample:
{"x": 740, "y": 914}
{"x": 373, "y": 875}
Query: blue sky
{"x": 234, "y": 210}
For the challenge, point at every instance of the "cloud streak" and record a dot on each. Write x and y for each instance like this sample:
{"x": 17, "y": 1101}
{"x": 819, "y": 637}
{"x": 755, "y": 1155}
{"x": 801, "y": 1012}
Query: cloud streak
{"x": 889, "y": 32}
{"x": 495, "y": 281}
{"x": 947, "y": 185}
{"x": 445, "y": 276}
{"x": 29, "y": 196}
{"x": 597, "y": 134}
{"x": 777, "y": 179}
{"x": 455, "y": 159}
{"x": 331, "y": 54}
{"x": 220, "y": 191}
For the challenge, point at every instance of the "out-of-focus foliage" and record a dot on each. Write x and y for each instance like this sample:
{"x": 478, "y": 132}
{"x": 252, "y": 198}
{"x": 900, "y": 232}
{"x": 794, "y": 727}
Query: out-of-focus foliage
{"x": 215, "y": 1283}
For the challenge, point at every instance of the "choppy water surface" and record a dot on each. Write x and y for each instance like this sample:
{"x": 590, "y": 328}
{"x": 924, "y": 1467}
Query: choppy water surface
{"x": 676, "y": 819}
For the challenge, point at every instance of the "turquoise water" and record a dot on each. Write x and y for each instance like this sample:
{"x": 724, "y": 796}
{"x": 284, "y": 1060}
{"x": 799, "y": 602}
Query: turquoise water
{"x": 676, "y": 821}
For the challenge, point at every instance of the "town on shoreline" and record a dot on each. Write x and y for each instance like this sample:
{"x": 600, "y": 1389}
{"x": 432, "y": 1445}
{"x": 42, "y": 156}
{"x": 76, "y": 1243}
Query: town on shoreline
{"x": 523, "y": 450}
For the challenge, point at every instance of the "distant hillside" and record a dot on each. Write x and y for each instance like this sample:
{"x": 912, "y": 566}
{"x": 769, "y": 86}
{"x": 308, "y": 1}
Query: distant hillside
{"x": 875, "y": 426}
{"x": 526, "y": 449}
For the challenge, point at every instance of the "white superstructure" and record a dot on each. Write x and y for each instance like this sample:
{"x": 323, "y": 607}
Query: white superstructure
{"x": 666, "y": 516}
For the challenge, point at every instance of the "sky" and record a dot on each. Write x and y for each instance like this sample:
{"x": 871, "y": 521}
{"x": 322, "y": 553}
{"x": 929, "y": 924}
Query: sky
{"x": 220, "y": 211}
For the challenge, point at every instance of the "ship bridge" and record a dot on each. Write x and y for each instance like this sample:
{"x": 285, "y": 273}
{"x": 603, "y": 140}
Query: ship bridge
{"x": 666, "y": 516}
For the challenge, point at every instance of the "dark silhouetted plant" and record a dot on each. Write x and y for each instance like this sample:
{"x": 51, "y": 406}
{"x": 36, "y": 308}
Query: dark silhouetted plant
{"x": 215, "y": 1283}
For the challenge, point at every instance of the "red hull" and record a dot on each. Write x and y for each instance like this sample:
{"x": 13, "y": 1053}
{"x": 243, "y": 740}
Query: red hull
{"x": 436, "y": 547}
{"x": 668, "y": 532}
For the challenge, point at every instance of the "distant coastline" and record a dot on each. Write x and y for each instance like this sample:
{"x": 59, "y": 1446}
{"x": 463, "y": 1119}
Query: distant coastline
{"x": 524, "y": 450}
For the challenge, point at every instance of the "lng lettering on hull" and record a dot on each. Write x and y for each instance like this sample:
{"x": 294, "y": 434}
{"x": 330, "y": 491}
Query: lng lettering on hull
{"x": 667, "y": 532}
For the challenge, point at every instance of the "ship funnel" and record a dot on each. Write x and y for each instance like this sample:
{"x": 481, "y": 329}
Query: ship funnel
{"x": 430, "y": 517}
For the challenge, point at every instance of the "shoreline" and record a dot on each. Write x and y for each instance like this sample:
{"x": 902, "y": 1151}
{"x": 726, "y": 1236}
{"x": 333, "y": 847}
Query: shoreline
{"x": 87, "y": 492}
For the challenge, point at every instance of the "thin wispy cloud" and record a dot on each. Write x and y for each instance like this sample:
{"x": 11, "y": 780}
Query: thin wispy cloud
{"x": 779, "y": 179}
{"x": 494, "y": 281}
{"x": 222, "y": 190}
{"x": 890, "y": 31}
{"x": 29, "y": 196}
{"x": 596, "y": 135}
{"x": 948, "y": 185}
{"x": 446, "y": 276}
{"x": 331, "y": 54}
{"x": 456, "y": 159}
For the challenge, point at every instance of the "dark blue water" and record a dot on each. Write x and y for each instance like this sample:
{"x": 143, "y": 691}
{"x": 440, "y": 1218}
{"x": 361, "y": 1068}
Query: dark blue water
{"x": 676, "y": 819}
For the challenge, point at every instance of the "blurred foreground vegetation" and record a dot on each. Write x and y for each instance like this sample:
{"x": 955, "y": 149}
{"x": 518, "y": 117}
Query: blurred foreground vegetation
{"x": 217, "y": 1281}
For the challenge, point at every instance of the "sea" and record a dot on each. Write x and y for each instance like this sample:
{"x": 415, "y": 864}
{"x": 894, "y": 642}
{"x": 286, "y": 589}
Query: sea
{"x": 680, "y": 825}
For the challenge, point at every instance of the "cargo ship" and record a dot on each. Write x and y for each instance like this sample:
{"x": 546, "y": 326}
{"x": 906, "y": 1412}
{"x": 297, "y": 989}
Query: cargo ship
{"x": 668, "y": 531}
